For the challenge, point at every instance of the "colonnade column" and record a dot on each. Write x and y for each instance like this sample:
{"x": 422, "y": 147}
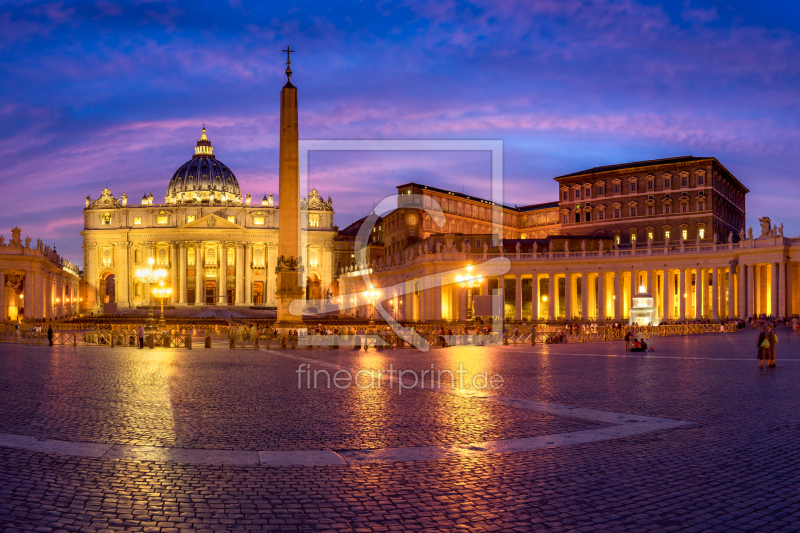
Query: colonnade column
{"x": 601, "y": 296}
{"x": 732, "y": 289}
{"x": 48, "y": 298}
{"x": 715, "y": 293}
{"x": 200, "y": 290}
{"x": 222, "y": 278}
{"x": 774, "y": 292}
{"x": 669, "y": 304}
{"x": 699, "y": 287}
{"x": 173, "y": 270}
{"x": 781, "y": 269}
{"x": 248, "y": 285}
{"x": 568, "y": 296}
{"x": 272, "y": 259}
{"x": 682, "y": 296}
{"x": 518, "y": 298}
{"x": 535, "y": 297}
{"x": 618, "y": 295}
{"x": 790, "y": 309}
{"x": 90, "y": 259}
{"x": 239, "y": 279}
{"x": 585, "y": 295}
{"x": 743, "y": 297}
{"x": 551, "y": 299}
{"x": 3, "y": 301}
{"x": 121, "y": 281}
{"x": 182, "y": 272}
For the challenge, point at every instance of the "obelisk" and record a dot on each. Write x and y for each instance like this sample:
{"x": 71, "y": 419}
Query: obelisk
{"x": 289, "y": 269}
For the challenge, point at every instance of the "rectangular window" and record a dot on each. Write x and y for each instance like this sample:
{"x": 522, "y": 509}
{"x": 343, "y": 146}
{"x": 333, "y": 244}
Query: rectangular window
{"x": 684, "y": 181}
{"x": 667, "y": 183}
{"x": 313, "y": 221}
{"x": 232, "y": 218}
{"x": 701, "y": 180}
{"x": 587, "y": 192}
{"x": 576, "y": 194}
{"x": 649, "y": 185}
{"x": 633, "y": 186}
{"x": 650, "y": 210}
{"x": 684, "y": 208}
{"x": 588, "y": 216}
{"x": 190, "y": 255}
{"x": 617, "y": 212}
{"x": 601, "y": 190}
{"x": 577, "y": 217}
{"x": 137, "y": 220}
{"x": 667, "y": 209}
{"x": 601, "y": 215}
{"x": 633, "y": 237}
{"x": 189, "y": 218}
{"x": 565, "y": 196}
{"x": 258, "y": 221}
{"x": 633, "y": 210}
{"x": 616, "y": 188}
{"x": 650, "y": 235}
{"x": 162, "y": 220}
{"x": 616, "y": 239}
{"x": 685, "y": 234}
{"x": 666, "y": 234}
{"x": 701, "y": 206}
{"x": 565, "y": 218}
{"x": 702, "y": 232}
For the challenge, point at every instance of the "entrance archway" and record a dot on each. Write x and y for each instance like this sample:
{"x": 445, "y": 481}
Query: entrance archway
{"x": 211, "y": 292}
{"x": 108, "y": 288}
{"x": 313, "y": 287}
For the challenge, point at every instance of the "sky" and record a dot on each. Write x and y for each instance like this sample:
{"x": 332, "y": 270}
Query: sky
{"x": 111, "y": 94}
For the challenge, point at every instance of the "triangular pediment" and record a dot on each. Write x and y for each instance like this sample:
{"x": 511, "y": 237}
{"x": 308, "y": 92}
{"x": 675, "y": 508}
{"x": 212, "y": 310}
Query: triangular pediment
{"x": 211, "y": 221}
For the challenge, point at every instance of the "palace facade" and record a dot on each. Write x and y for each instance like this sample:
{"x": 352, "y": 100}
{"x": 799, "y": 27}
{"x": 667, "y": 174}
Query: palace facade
{"x": 667, "y": 233}
{"x": 217, "y": 246}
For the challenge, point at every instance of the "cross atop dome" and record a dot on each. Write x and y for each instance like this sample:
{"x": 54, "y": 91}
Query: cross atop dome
{"x": 203, "y": 147}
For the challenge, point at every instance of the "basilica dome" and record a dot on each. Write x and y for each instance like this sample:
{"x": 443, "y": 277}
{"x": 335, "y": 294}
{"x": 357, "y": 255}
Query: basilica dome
{"x": 203, "y": 179}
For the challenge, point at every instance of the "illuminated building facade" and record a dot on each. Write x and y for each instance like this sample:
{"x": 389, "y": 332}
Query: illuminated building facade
{"x": 217, "y": 247}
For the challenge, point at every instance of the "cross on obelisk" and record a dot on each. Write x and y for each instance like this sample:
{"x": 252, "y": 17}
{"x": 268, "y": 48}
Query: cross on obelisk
{"x": 288, "y": 61}
{"x": 289, "y": 270}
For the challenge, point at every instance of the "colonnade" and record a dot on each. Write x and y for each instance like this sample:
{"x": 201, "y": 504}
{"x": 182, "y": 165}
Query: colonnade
{"x": 687, "y": 287}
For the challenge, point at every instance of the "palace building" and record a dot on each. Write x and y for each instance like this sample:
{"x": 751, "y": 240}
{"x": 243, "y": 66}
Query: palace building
{"x": 217, "y": 246}
{"x": 645, "y": 241}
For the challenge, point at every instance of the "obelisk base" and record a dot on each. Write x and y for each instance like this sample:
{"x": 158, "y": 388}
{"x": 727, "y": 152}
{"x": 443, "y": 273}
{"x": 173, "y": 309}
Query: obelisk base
{"x": 290, "y": 302}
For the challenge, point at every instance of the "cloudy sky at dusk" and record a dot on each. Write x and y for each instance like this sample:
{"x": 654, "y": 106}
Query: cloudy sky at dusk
{"x": 112, "y": 95}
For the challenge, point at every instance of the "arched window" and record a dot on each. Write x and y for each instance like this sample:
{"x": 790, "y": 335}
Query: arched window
{"x": 313, "y": 257}
{"x": 258, "y": 256}
{"x": 137, "y": 256}
{"x": 231, "y": 256}
{"x": 211, "y": 256}
{"x": 163, "y": 256}
{"x": 191, "y": 254}
{"x": 107, "y": 255}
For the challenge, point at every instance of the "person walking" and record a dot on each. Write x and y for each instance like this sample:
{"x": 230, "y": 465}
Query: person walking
{"x": 773, "y": 341}
{"x": 141, "y": 336}
{"x": 50, "y": 334}
{"x": 763, "y": 349}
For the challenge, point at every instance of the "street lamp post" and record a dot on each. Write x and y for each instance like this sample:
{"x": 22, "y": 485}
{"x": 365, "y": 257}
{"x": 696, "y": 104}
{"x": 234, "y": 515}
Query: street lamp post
{"x": 371, "y": 295}
{"x": 162, "y": 293}
{"x": 151, "y": 276}
{"x": 469, "y": 283}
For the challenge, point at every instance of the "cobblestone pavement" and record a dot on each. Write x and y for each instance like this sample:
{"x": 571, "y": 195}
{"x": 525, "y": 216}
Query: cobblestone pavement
{"x": 733, "y": 468}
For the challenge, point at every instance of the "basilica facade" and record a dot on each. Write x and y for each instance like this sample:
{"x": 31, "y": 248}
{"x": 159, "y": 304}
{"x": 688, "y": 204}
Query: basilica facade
{"x": 217, "y": 246}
